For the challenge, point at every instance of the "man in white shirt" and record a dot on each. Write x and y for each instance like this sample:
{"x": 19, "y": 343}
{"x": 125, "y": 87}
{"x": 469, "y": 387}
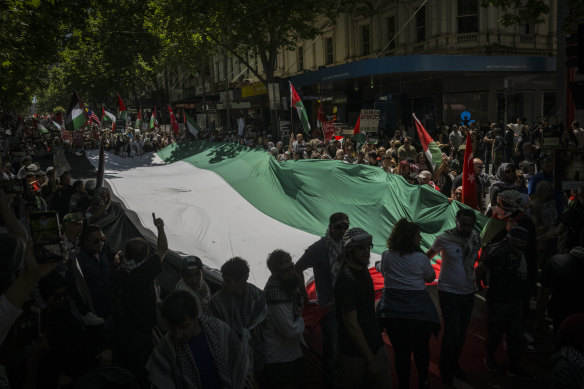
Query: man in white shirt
{"x": 458, "y": 249}
{"x": 284, "y": 323}
{"x": 578, "y": 134}
{"x": 455, "y": 137}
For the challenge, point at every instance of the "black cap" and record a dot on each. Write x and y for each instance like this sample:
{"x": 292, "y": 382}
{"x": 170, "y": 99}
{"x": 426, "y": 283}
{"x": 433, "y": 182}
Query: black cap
{"x": 191, "y": 263}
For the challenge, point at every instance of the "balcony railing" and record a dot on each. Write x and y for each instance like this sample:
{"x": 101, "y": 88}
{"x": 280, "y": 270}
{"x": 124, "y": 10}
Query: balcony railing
{"x": 471, "y": 37}
{"x": 526, "y": 38}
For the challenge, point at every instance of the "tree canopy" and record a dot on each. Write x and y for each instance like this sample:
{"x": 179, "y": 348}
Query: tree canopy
{"x": 31, "y": 34}
{"x": 244, "y": 29}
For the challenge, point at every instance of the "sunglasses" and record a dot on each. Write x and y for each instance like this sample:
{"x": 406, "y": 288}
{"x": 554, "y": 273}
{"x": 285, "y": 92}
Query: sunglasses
{"x": 365, "y": 246}
{"x": 479, "y": 166}
{"x": 343, "y": 226}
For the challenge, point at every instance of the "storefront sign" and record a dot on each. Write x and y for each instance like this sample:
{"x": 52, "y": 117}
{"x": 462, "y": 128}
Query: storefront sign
{"x": 254, "y": 90}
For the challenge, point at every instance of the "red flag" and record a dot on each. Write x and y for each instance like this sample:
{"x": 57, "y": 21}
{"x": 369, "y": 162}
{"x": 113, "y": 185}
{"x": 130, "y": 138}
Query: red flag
{"x": 121, "y": 106}
{"x": 357, "y": 129}
{"x": 321, "y": 117}
{"x": 173, "y": 121}
{"x": 469, "y": 185}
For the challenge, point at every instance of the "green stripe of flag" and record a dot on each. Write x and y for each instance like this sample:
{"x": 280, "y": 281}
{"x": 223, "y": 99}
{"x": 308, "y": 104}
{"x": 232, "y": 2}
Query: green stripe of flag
{"x": 305, "y": 193}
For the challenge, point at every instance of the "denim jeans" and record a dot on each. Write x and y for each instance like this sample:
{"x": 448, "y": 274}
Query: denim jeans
{"x": 456, "y": 313}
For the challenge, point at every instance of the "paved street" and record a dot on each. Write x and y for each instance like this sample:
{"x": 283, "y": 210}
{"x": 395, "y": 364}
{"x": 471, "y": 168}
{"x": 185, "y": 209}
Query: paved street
{"x": 471, "y": 361}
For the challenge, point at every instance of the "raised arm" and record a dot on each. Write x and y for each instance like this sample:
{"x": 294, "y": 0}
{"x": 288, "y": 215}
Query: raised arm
{"x": 162, "y": 242}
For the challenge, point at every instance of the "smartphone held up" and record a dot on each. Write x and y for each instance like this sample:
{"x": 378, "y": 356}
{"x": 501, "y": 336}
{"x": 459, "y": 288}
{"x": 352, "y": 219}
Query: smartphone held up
{"x": 45, "y": 230}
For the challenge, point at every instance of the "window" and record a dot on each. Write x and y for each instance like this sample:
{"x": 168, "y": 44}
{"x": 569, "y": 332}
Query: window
{"x": 365, "y": 40}
{"x": 477, "y": 103}
{"x": 524, "y": 28}
{"x": 391, "y": 32}
{"x": 421, "y": 25}
{"x": 300, "y": 58}
{"x": 549, "y": 103}
{"x": 329, "y": 56}
{"x": 468, "y": 16}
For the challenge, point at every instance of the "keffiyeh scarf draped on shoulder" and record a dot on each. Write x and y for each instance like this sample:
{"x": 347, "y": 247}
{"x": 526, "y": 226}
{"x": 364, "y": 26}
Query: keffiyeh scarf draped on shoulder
{"x": 172, "y": 365}
{"x": 276, "y": 294}
{"x": 470, "y": 248}
{"x": 244, "y": 314}
{"x": 238, "y": 312}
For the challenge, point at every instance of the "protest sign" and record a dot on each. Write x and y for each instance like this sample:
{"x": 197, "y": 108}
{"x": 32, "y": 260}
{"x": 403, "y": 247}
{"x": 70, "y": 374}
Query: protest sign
{"x": 60, "y": 163}
{"x": 328, "y": 129}
{"x": 369, "y": 120}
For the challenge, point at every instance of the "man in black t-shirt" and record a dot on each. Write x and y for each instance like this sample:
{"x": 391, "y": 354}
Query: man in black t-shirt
{"x": 362, "y": 355}
{"x": 571, "y": 222}
{"x": 135, "y": 302}
{"x": 508, "y": 270}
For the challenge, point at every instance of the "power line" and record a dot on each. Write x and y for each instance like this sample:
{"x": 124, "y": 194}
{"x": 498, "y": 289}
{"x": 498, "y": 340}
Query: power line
{"x": 402, "y": 28}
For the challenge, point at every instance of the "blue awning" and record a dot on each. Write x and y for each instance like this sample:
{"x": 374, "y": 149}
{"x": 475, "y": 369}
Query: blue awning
{"x": 426, "y": 63}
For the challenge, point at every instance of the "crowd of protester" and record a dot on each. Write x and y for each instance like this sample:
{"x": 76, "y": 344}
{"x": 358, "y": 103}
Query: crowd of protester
{"x": 100, "y": 308}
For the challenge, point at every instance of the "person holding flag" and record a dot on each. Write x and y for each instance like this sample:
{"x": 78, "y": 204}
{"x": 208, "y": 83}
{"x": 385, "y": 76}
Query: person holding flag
{"x": 93, "y": 117}
{"x": 191, "y": 124}
{"x": 431, "y": 149}
{"x": 297, "y": 103}
{"x": 153, "y": 121}
{"x": 76, "y": 114}
{"x": 121, "y": 108}
{"x": 173, "y": 121}
{"x": 358, "y": 136}
{"x": 474, "y": 181}
{"x": 108, "y": 117}
{"x": 138, "y": 123}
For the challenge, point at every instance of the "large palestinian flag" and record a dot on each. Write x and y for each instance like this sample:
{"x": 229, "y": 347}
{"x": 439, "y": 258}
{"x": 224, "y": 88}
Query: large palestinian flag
{"x": 220, "y": 200}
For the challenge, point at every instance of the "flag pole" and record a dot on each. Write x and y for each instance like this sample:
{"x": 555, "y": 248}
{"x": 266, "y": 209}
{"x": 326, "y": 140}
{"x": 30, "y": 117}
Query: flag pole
{"x": 291, "y": 116}
{"x": 321, "y": 122}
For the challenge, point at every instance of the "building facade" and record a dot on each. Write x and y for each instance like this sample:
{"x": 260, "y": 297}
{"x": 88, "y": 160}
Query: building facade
{"x": 437, "y": 58}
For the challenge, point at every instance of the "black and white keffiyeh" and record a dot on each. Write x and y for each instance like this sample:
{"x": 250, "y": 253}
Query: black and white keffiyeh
{"x": 172, "y": 364}
{"x": 276, "y": 294}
